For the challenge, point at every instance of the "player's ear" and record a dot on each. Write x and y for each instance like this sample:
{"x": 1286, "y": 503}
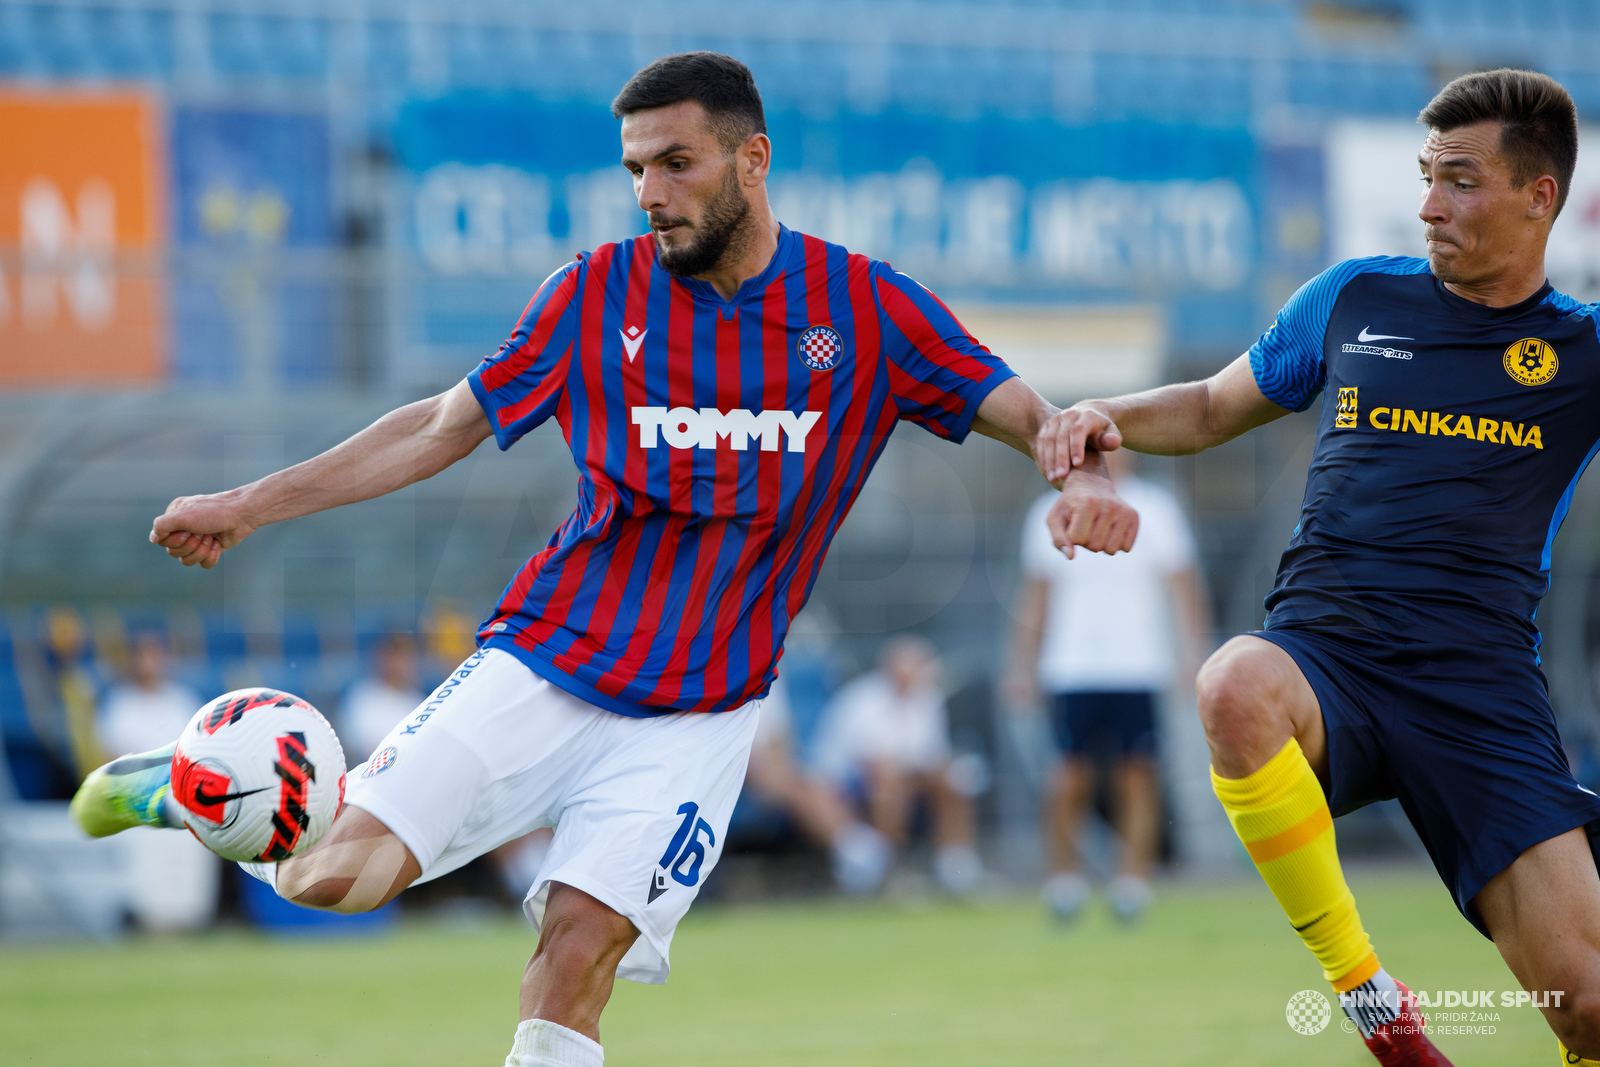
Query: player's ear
{"x": 1542, "y": 197}
{"x": 754, "y": 158}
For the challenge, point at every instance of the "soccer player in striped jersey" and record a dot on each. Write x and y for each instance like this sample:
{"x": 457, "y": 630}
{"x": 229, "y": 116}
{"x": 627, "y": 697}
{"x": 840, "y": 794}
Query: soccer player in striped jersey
{"x": 725, "y": 386}
{"x": 1400, "y": 657}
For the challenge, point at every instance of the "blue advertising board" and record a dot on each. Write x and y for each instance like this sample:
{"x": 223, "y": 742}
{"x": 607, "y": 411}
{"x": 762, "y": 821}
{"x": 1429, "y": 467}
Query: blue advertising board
{"x": 250, "y": 186}
{"x": 987, "y": 207}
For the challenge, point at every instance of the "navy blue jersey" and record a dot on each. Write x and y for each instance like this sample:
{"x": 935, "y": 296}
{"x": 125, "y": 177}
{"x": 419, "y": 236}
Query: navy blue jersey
{"x": 1450, "y": 443}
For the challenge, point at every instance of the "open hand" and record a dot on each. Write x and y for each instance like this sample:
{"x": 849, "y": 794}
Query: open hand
{"x": 1090, "y": 514}
{"x": 1064, "y": 438}
{"x": 196, "y": 529}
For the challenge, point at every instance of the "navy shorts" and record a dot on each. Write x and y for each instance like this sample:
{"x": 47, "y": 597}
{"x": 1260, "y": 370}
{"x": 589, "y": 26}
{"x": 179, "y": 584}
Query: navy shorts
{"x": 1462, "y": 735}
{"x": 1104, "y": 724}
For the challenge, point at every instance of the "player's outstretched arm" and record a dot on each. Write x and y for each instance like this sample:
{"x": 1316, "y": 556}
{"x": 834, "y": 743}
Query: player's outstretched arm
{"x": 1095, "y": 517}
{"x": 407, "y": 445}
{"x": 1174, "y": 420}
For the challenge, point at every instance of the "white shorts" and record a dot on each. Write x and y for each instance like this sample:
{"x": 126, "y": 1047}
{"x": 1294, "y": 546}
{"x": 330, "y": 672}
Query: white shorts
{"x": 640, "y": 806}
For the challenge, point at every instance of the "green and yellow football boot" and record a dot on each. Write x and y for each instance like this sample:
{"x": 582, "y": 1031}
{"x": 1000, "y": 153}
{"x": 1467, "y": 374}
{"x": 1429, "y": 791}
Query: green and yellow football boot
{"x": 131, "y": 791}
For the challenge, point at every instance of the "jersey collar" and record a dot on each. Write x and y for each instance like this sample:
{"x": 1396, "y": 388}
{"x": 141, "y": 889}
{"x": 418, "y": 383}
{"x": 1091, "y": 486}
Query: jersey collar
{"x": 751, "y": 286}
{"x": 1464, "y": 306}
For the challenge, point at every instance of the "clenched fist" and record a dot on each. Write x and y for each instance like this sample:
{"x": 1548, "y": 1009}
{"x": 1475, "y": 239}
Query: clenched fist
{"x": 196, "y": 529}
{"x": 1091, "y": 515}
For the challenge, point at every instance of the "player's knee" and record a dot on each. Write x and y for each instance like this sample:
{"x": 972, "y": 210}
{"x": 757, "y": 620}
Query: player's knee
{"x": 580, "y": 936}
{"x": 1229, "y": 692}
{"x": 1577, "y": 1022}
{"x": 574, "y": 947}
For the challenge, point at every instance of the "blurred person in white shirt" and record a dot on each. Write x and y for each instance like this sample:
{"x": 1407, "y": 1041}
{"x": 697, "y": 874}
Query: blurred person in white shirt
{"x": 380, "y": 699}
{"x": 890, "y": 726}
{"x": 1100, "y": 639}
{"x": 860, "y": 854}
{"x": 171, "y": 879}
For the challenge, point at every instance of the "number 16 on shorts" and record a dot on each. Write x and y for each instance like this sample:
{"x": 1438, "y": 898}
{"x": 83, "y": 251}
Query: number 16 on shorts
{"x": 686, "y": 853}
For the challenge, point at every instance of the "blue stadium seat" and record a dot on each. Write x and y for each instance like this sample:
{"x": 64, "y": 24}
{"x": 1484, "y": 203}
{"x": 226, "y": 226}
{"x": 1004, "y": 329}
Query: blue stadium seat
{"x": 60, "y": 42}
{"x": 309, "y": 328}
{"x": 235, "y": 43}
{"x": 295, "y": 47}
{"x": 14, "y": 40}
{"x": 129, "y": 43}
{"x": 36, "y": 770}
{"x": 388, "y": 55}
{"x": 224, "y": 639}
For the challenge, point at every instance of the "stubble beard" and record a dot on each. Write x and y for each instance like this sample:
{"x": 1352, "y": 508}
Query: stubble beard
{"x": 722, "y": 232}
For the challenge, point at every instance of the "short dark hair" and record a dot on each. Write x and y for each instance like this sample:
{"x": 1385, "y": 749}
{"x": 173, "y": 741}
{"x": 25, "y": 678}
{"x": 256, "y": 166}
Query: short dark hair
{"x": 1538, "y": 121}
{"x": 720, "y": 84}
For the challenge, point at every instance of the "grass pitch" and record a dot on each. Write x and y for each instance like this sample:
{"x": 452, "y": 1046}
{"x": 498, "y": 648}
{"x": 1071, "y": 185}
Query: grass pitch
{"x": 1203, "y": 981}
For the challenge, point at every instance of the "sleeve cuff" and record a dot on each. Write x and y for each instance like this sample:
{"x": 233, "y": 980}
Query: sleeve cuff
{"x": 501, "y": 438}
{"x": 962, "y": 425}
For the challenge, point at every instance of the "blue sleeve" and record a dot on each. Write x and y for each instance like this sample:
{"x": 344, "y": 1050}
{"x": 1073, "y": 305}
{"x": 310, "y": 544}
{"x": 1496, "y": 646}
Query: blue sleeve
{"x": 1287, "y": 359}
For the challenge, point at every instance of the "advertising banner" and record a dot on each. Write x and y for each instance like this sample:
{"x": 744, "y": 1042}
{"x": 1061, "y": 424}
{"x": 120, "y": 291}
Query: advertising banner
{"x": 986, "y": 208}
{"x": 254, "y": 303}
{"x": 82, "y": 187}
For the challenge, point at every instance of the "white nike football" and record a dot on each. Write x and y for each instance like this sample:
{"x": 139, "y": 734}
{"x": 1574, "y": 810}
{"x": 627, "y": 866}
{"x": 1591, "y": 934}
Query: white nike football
{"x": 258, "y": 774}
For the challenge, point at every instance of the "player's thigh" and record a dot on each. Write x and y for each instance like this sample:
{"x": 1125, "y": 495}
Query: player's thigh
{"x": 357, "y": 866}
{"x": 645, "y": 822}
{"x": 1253, "y": 698}
{"x": 480, "y": 762}
{"x": 1543, "y": 912}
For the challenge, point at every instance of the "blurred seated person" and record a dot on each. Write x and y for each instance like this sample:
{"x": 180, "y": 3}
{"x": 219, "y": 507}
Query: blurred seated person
{"x": 147, "y": 703}
{"x": 171, "y": 879}
{"x": 889, "y": 730}
{"x": 380, "y": 699}
{"x": 861, "y": 855}
{"x": 74, "y": 688}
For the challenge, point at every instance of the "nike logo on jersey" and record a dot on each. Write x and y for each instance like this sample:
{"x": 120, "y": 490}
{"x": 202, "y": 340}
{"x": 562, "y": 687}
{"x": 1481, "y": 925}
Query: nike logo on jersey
{"x": 632, "y": 338}
{"x": 688, "y": 428}
{"x": 1366, "y": 338}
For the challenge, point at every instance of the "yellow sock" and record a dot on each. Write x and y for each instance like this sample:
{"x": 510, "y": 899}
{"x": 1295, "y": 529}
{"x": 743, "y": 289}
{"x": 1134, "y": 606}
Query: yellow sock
{"x": 1282, "y": 817}
{"x": 1569, "y": 1060}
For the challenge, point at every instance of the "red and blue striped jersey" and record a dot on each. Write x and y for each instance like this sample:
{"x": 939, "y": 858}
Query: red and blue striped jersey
{"x": 719, "y": 445}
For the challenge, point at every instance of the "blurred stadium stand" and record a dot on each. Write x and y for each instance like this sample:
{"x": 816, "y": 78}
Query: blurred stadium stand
{"x": 352, "y": 202}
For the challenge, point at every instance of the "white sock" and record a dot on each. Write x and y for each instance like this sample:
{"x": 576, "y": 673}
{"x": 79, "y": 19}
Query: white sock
{"x": 1373, "y": 1003}
{"x": 263, "y": 872}
{"x": 545, "y": 1044}
{"x": 1129, "y": 895}
{"x": 958, "y": 868}
{"x": 861, "y": 857}
{"x": 1066, "y": 893}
